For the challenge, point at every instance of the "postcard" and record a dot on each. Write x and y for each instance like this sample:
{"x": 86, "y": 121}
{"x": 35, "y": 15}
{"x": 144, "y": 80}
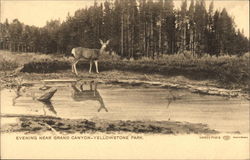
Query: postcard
{"x": 124, "y": 79}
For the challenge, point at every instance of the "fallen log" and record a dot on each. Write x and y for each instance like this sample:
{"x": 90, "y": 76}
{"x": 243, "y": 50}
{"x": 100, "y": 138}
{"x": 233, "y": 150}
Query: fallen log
{"x": 193, "y": 88}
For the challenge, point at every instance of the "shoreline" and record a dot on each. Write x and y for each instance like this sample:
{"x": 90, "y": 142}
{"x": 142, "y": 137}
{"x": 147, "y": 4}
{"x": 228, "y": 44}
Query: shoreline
{"x": 40, "y": 124}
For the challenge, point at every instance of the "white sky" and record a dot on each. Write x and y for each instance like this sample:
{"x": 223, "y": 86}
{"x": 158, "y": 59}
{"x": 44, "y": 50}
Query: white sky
{"x": 37, "y": 12}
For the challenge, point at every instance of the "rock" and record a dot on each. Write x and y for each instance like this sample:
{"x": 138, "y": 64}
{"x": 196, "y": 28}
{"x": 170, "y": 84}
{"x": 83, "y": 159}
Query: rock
{"x": 47, "y": 96}
{"x": 64, "y": 127}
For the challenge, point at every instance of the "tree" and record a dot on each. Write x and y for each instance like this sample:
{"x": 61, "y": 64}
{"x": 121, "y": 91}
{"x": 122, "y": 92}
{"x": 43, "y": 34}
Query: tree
{"x": 192, "y": 25}
{"x": 200, "y": 19}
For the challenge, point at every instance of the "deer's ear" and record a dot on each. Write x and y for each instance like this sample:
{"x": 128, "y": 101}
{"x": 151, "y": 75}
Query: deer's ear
{"x": 108, "y": 41}
{"x": 101, "y": 41}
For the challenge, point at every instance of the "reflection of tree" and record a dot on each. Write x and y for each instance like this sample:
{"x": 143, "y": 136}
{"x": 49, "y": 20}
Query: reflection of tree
{"x": 21, "y": 90}
{"x": 18, "y": 94}
{"x": 172, "y": 97}
{"x": 85, "y": 95}
{"x": 44, "y": 98}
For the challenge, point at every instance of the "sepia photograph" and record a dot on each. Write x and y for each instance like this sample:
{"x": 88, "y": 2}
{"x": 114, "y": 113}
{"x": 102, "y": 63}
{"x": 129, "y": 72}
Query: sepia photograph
{"x": 124, "y": 79}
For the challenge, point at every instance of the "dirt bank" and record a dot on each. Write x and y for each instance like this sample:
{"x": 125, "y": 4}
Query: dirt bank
{"x": 37, "y": 124}
{"x": 226, "y": 70}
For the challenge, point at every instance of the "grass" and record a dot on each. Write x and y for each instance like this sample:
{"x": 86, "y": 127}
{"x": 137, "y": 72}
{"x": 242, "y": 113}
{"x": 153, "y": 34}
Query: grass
{"x": 39, "y": 124}
{"x": 227, "y": 70}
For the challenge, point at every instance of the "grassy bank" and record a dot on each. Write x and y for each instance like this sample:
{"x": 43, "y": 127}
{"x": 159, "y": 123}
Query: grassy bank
{"x": 228, "y": 71}
{"x": 32, "y": 124}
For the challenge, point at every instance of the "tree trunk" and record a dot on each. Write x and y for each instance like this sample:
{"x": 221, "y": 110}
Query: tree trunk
{"x": 145, "y": 39}
{"x": 10, "y": 46}
{"x": 184, "y": 37}
{"x": 128, "y": 37}
{"x": 151, "y": 37}
{"x": 122, "y": 33}
{"x": 160, "y": 47}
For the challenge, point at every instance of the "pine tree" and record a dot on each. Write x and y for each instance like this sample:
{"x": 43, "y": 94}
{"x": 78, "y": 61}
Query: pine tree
{"x": 191, "y": 12}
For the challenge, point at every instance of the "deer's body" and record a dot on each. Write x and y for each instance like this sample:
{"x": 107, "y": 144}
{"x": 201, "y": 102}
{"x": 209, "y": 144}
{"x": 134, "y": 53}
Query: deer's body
{"x": 92, "y": 55}
{"x": 86, "y": 53}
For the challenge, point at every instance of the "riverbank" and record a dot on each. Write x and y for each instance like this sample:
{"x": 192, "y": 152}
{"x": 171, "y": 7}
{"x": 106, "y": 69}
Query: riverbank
{"x": 38, "y": 124}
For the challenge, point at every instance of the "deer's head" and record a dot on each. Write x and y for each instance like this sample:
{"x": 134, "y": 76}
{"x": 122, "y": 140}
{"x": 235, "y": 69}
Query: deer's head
{"x": 104, "y": 45}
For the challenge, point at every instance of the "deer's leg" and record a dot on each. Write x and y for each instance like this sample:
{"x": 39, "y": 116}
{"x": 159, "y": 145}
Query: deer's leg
{"x": 72, "y": 68}
{"x": 96, "y": 66}
{"x": 95, "y": 88}
{"x": 90, "y": 65}
{"x": 74, "y": 65}
{"x": 90, "y": 85}
{"x": 95, "y": 83}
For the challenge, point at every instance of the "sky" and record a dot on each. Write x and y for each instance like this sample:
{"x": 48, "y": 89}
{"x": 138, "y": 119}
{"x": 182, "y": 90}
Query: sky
{"x": 37, "y": 12}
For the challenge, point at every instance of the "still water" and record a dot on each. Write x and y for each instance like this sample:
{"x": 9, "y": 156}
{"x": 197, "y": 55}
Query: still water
{"x": 113, "y": 102}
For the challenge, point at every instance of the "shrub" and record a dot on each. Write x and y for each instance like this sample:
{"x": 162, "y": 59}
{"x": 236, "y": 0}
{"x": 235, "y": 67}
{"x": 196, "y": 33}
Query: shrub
{"x": 246, "y": 55}
{"x": 7, "y": 64}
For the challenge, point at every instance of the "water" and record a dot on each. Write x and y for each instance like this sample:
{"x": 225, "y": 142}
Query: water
{"x": 118, "y": 103}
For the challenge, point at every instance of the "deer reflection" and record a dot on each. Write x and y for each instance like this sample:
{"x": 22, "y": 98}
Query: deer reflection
{"x": 79, "y": 94}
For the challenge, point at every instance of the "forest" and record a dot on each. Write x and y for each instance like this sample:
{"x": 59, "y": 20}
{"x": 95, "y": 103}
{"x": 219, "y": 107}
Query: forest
{"x": 136, "y": 28}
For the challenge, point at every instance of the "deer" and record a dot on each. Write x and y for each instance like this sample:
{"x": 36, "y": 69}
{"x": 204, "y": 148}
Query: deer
{"x": 88, "y": 54}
